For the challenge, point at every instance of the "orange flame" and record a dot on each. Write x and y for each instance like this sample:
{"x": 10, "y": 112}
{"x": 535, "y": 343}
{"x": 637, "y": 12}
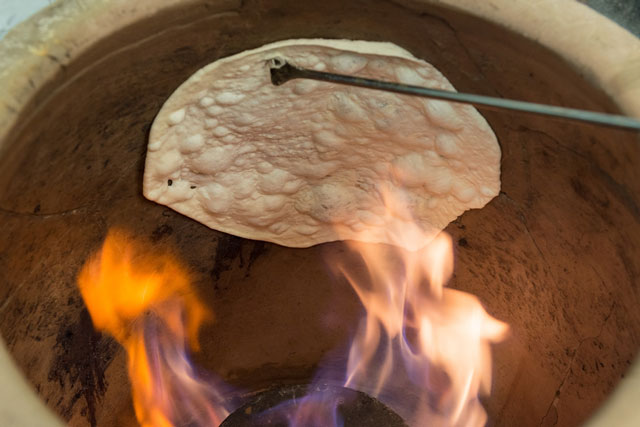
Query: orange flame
{"x": 144, "y": 299}
{"x": 418, "y": 338}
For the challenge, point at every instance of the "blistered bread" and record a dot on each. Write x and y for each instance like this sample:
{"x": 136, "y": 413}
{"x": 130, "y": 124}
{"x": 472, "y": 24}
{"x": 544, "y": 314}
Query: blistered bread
{"x": 308, "y": 162}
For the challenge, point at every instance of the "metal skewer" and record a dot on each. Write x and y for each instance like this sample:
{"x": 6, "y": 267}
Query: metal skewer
{"x": 282, "y": 72}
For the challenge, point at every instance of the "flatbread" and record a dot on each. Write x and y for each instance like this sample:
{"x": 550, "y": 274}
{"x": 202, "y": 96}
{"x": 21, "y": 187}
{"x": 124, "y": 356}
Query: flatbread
{"x": 308, "y": 162}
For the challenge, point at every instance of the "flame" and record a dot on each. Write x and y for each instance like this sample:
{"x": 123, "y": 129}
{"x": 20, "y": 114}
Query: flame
{"x": 145, "y": 301}
{"x": 421, "y": 348}
{"x": 318, "y": 408}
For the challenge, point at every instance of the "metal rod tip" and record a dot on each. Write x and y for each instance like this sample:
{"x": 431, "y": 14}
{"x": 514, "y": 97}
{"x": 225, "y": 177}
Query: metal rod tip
{"x": 281, "y": 71}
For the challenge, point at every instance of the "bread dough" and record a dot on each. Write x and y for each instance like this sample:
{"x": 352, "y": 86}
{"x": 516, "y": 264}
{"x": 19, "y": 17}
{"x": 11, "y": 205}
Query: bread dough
{"x": 307, "y": 162}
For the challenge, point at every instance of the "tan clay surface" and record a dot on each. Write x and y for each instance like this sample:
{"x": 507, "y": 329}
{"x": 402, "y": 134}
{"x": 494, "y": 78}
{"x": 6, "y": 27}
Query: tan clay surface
{"x": 556, "y": 254}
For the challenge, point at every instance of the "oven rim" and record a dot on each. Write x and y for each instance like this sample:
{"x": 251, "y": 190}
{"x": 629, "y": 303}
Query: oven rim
{"x": 26, "y": 65}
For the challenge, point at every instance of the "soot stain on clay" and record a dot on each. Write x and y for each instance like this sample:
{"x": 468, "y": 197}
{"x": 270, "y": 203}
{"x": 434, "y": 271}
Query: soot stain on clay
{"x": 259, "y": 247}
{"x": 83, "y": 355}
{"x": 587, "y": 195}
{"x": 161, "y": 232}
{"x": 231, "y": 248}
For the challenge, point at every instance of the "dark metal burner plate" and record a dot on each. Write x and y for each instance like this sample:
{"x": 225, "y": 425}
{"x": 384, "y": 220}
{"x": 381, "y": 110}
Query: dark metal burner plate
{"x": 275, "y": 406}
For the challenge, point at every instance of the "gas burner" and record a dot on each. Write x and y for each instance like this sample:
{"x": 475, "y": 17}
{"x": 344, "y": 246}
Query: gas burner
{"x": 290, "y": 405}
